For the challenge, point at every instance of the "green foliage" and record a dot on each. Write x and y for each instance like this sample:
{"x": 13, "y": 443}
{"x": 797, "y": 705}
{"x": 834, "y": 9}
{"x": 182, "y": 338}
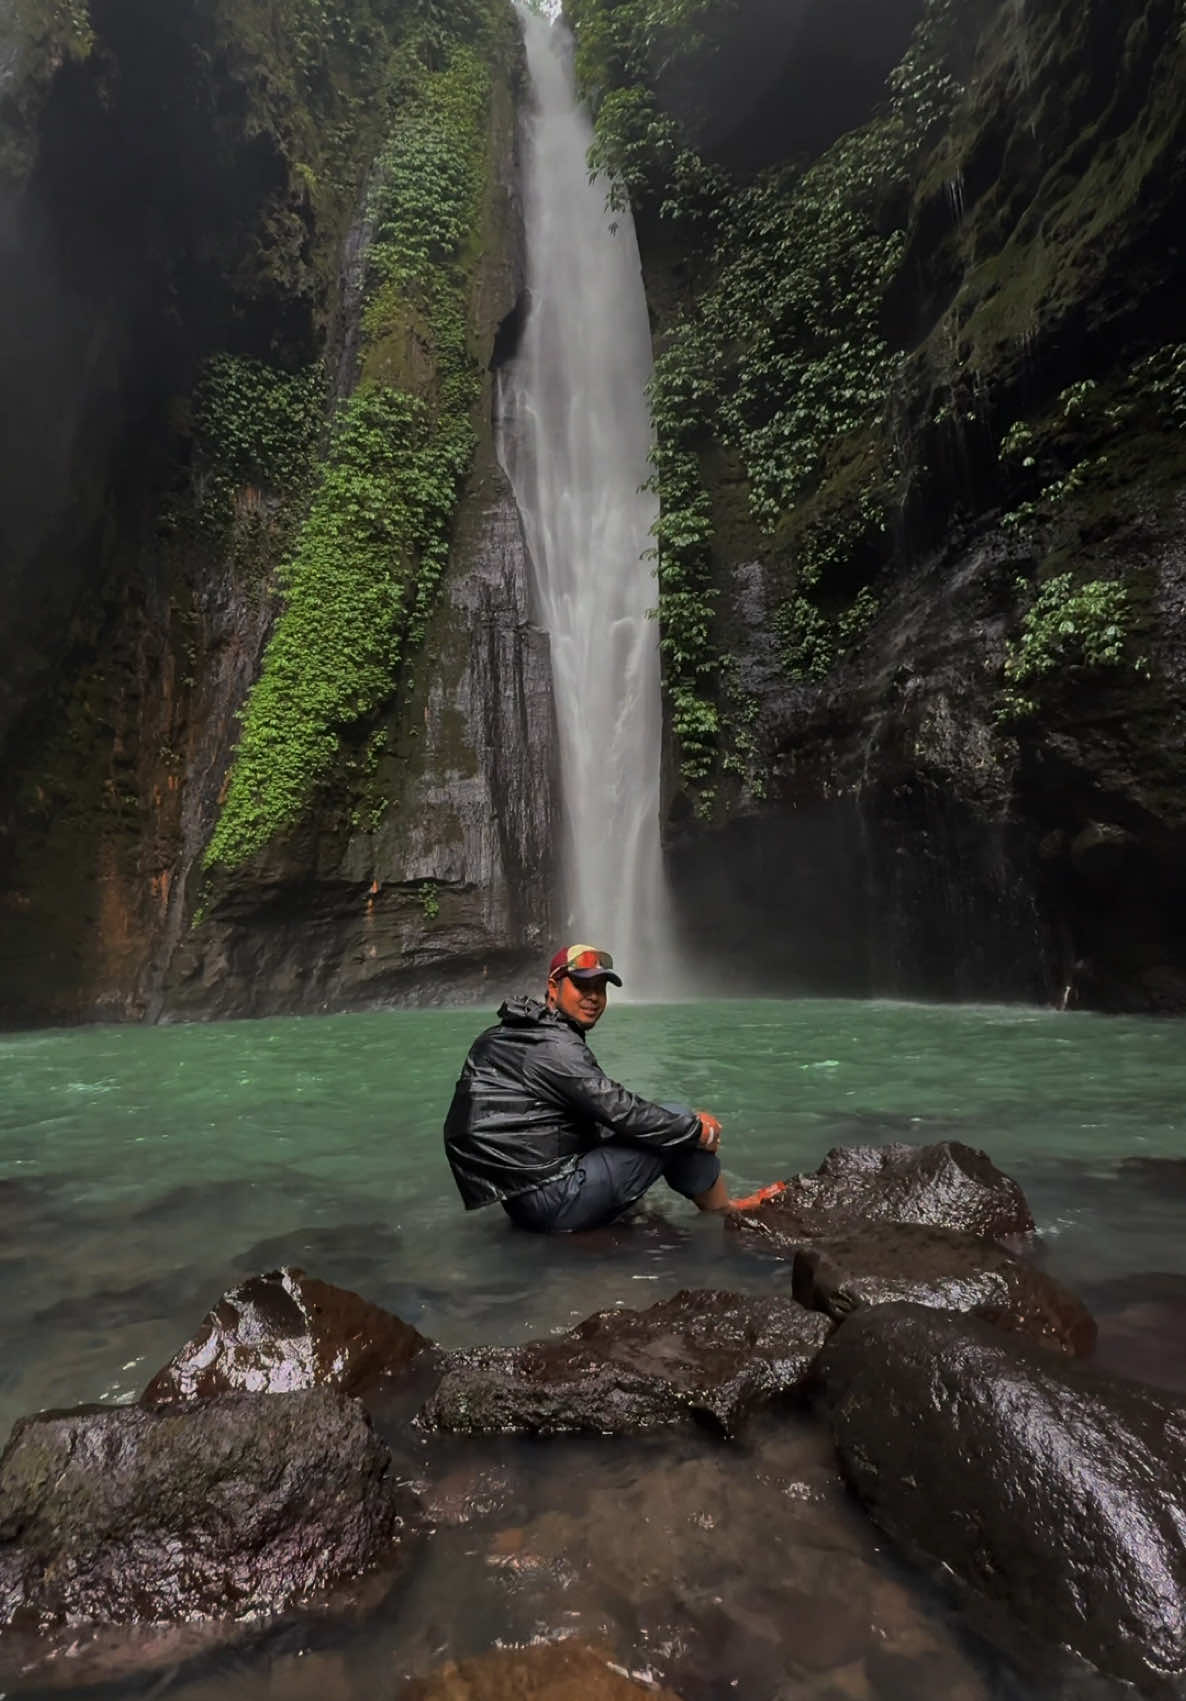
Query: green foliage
{"x": 252, "y": 425}
{"x": 1158, "y": 383}
{"x": 430, "y": 901}
{"x": 796, "y": 307}
{"x": 361, "y": 584}
{"x": 1067, "y": 627}
{"x": 379, "y": 519}
{"x": 779, "y": 354}
{"x": 811, "y": 642}
{"x": 923, "y": 87}
{"x": 428, "y": 174}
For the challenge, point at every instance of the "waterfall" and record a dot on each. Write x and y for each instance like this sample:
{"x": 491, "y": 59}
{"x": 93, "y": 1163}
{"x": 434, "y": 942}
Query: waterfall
{"x": 575, "y": 435}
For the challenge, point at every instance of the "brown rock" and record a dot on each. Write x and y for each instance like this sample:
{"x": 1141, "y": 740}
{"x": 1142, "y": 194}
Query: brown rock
{"x": 282, "y": 1331}
{"x": 227, "y": 1509}
{"x": 947, "y": 1185}
{"x": 553, "y": 1671}
{"x": 705, "y": 1355}
{"x": 882, "y": 1263}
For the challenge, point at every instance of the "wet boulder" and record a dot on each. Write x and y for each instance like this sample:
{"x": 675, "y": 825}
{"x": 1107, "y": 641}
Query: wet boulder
{"x": 283, "y": 1331}
{"x": 549, "y": 1671}
{"x": 947, "y": 1185}
{"x": 701, "y": 1355}
{"x": 232, "y": 1508}
{"x": 882, "y": 1263}
{"x": 1054, "y": 1493}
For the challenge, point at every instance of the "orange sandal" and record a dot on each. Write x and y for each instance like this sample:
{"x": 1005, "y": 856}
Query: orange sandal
{"x": 753, "y": 1200}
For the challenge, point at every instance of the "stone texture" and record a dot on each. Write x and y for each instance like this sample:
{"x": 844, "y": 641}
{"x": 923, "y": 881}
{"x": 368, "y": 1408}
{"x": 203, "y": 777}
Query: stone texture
{"x": 555, "y": 1671}
{"x": 232, "y": 1508}
{"x": 946, "y": 1185}
{"x": 285, "y": 1330}
{"x": 701, "y": 1355}
{"x": 1052, "y": 1492}
{"x": 888, "y": 1262}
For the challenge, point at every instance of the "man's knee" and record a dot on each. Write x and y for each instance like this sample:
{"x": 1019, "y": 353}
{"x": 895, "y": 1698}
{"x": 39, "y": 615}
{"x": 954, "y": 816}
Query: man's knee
{"x": 692, "y": 1172}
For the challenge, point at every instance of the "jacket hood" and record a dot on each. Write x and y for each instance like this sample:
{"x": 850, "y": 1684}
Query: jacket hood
{"x": 525, "y": 1011}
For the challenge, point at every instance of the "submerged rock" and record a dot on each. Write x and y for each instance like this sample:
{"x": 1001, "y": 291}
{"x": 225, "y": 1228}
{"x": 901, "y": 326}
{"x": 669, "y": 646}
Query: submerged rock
{"x": 233, "y": 1508}
{"x": 552, "y": 1671}
{"x": 283, "y": 1331}
{"x": 703, "y": 1354}
{"x": 886, "y": 1262}
{"x": 947, "y": 1185}
{"x": 1142, "y": 1327}
{"x": 1053, "y": 1492}
{"x": 744, "y": 1572}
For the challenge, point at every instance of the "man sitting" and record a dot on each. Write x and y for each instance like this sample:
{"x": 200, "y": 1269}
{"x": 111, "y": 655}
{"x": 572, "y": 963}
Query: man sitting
{"x": 535, "y": 1123}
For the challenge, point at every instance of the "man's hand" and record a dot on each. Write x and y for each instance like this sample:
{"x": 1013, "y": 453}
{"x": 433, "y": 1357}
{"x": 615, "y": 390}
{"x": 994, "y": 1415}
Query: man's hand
{"x": 710, "y": 1130}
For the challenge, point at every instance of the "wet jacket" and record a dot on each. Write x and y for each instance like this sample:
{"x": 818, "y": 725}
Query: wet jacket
{"x": 531, "y": 1098}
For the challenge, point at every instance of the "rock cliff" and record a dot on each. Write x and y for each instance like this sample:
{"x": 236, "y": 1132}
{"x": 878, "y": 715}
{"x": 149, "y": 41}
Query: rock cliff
{"x": 234, "y": 329}
{"x": 920, "y": 404}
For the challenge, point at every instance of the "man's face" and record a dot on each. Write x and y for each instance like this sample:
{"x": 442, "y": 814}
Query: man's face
{"x": 582, "y": 1001}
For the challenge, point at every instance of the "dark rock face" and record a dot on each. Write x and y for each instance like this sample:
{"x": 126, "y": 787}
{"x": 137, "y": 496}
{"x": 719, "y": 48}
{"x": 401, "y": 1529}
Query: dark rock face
{"x": 555, "y": 1671}
{"x": 947, "y": 1185}
{"x": 889, "y": 1262}
{"x": 236, "y": 1507}
{"x": 277, "y": 1333}
{"x": 705, "y": 1355}
{"x": 1053, "y": 1492}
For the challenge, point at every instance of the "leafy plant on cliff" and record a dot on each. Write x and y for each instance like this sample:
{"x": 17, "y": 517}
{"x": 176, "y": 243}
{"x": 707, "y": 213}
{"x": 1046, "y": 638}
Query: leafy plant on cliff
{"x": 778, "y": 354}
{"x": 253, "y": 425}
{"x": 361, "y": 583}
{"x": 1066, "y": 627}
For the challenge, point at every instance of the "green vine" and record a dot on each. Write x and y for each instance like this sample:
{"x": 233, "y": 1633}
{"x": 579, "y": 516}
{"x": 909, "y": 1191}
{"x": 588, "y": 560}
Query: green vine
{"x": 1066, "y": 628}
{"x": 777, "y": 354}
{"x": 253, "y": 426}
{"x": 361, "y": 584}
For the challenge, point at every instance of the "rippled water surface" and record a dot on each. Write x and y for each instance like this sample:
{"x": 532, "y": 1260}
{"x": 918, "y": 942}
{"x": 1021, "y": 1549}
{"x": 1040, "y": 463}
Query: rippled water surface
{"x": 144, "y": 1170}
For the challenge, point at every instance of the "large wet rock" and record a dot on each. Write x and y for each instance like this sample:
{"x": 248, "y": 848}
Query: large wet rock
{"x": 552, "y": 1671}
{"x": 1053, "y": 1492}
{"x": 229, "y": 1509}
{"x": 283, "y": 1331}
{"x": 882, "y": 1263}
{"x": 947, "y": 1185}
{"x": 703, "y": 1355}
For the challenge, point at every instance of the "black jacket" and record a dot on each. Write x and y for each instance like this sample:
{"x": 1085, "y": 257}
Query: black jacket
{"x": 531, "y": 1099}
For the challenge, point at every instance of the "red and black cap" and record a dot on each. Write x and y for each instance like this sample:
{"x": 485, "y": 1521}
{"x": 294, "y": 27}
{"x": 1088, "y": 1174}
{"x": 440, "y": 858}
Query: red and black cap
{"x": 583, "y": 962}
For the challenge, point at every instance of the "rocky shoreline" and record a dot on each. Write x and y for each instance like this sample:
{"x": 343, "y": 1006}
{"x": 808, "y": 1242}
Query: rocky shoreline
{"x": 908, "y": 1326}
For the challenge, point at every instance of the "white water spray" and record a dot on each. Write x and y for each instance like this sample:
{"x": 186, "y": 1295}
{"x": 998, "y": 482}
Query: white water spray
{"x": 575, "y": 439}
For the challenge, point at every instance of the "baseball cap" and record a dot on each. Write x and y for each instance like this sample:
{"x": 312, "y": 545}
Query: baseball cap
{"x": 583, "y": 962}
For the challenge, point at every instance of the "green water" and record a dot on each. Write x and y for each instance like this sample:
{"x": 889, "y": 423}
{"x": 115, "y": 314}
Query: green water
{"x": 163, "y": 1163}
{"x": 154, "y": 1167}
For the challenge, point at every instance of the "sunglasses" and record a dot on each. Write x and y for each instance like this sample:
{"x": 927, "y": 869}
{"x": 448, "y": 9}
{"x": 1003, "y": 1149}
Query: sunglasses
{"x": 583, "y": 961}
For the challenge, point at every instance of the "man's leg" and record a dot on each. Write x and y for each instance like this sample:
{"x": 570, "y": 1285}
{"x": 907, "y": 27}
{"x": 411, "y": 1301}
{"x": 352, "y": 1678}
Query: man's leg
{"x": 606, "y": 1182}
{"x": 697, "y": 1175}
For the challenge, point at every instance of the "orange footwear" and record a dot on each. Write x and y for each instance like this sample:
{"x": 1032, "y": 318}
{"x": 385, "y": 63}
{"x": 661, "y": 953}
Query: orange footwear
{"x": 753, "y": 1200}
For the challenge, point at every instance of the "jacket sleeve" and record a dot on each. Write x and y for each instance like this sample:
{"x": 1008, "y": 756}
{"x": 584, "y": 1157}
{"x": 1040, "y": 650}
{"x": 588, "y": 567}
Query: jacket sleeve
{"x": 570, "y": 1075}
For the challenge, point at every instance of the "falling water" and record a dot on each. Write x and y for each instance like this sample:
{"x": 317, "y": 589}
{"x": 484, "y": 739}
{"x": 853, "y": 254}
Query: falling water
{"x": 575, "y": 438}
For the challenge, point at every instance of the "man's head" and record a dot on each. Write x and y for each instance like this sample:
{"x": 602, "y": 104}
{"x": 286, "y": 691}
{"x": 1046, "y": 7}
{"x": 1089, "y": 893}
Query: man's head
{"x": 577, "y": 979}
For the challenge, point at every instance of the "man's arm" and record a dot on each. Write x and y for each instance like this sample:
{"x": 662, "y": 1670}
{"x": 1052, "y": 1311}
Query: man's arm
{"x": 576, "y": 1081}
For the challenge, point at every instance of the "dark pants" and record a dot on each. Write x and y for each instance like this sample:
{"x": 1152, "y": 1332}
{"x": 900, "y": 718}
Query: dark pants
{"x": 606, "y": 1182}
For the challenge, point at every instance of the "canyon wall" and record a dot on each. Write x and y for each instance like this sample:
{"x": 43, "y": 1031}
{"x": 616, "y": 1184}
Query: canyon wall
{"x": 235, "y": 332}
{"x": 920, "y": 406}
